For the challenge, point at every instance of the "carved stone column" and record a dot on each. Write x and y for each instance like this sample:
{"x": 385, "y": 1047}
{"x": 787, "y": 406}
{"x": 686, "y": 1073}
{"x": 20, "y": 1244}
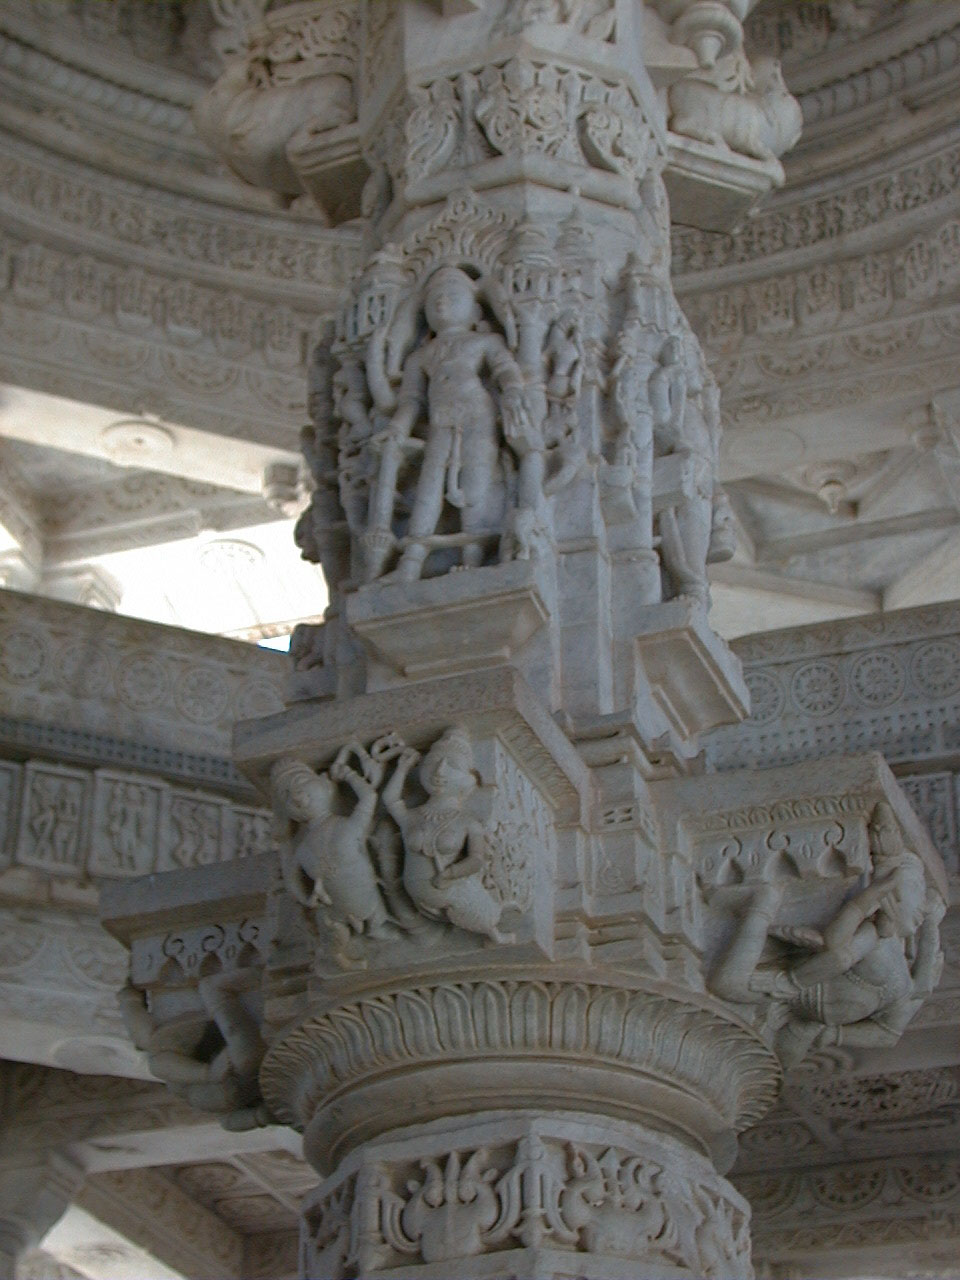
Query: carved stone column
{"x": 521, "y": 971}
{"x": 34, "y": 1195}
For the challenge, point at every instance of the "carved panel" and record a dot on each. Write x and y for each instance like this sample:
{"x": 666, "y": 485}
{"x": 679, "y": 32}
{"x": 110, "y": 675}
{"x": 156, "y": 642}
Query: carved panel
{"x": 420, "y": 1202}
{"x": 126, "y": 824}
{"x": 55, "y": 819}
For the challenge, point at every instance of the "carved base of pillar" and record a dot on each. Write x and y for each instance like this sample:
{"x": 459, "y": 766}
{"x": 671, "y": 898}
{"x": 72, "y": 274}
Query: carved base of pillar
{"x": 526, "y": 1195}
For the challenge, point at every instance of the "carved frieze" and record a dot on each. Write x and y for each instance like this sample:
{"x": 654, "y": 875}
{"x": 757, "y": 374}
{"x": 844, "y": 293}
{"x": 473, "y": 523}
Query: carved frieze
{"x": 89, "y": 824}
{"x": 557, "y": 1188}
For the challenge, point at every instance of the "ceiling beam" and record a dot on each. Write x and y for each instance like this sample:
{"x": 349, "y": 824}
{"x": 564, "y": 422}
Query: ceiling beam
{"x": 749, "y": 578}
{"x": 778, "y": 551}
{"x": 933, "y": 577}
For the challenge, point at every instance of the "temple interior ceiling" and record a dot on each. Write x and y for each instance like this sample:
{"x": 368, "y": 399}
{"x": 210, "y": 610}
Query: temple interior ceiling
{"x": 156, "y": 319}
{"x": 148, "y": 285}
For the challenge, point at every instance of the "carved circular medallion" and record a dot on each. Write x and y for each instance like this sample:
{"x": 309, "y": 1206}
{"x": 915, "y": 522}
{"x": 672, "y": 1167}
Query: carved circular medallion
{"x": 142, "y": 682}
{"x": 83, "y": 671}
{"x": 930, "y": 1179}
{"x": 877, "y": 679}
{"x": 257, "y": 697}
{"x": 772, "y": 1195}
{"x": 20, "y": 941}
{"x": 23, "y": 654}
{"x": 230, "y": 556}
{"x": 135, "y": 442}
{"x": 202, "y": 694}
{"x": 766, "y": 697}
{"x": 817, "y": 687}
{"x": 847, "y": 1188}
{"x": 936, "y": 668}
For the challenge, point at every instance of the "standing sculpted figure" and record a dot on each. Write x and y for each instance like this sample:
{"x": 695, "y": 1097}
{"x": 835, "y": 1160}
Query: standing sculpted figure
{"x": 681, "y": 394}
{"x": 635, "y": 360}
{"x": 443, "y": 383}
{"x": 865, "y": 977}
{"x": 326, "y": 860}
{"x": 445, "y": 846}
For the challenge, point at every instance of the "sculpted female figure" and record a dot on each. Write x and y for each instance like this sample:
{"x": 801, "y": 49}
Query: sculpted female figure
{"x": 325, "y": 858}
{"x": 443, "y": 381}
{"x": 869, "y": 972}
{"x": 444, "y": 840}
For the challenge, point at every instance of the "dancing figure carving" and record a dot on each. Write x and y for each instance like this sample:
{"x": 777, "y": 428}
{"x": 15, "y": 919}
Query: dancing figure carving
{"x": 446, "y": 847}
{"x": 326, "y": 860}
{"x": 860, "y": 980}
{"x": 209, "y": 1058}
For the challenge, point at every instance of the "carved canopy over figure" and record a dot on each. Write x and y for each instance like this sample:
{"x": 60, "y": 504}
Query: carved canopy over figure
{"x": 860, "y": 980}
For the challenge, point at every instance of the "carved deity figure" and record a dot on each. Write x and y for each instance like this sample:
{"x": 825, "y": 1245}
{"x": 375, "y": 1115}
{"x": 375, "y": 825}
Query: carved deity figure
{"x": 861, "y": 980}
{"x": 209, "y": 1058}
{"x": 635, "y": 363}
{"x": 443, "y": 389}
{"x": 445, "y": 843}
{"x": 326, "y": 862}
{"x": 686, "y": 421}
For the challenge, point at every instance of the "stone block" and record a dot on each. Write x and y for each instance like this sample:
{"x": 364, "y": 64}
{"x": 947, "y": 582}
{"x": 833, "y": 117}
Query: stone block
{"x": 695, "y": 678}
{"x": 439, "y": 626}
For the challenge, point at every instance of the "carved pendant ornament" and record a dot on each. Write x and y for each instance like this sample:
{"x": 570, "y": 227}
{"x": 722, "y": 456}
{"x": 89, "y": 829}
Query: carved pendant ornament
{"x": 857, "y": 979}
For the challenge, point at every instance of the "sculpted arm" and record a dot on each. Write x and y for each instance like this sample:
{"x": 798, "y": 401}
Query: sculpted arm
{"x": 413, "y": 390}
{"x": 928, "y": 964}
{"x": 517, "y": 425}
{"x": 376, "y": 366}
{"x": 361, "y": 787}
{"x": 473, "y": 861}
{"x": 883, "y": 1029}
{"x": 837, "y": 956}
{"x": 295, "y": 880}
{"x": 393, "y": 791}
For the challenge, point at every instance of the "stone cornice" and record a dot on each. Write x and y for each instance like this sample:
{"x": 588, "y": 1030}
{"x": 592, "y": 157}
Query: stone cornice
{"x": 123, "y": 220}
{"x": 798, "y": 227}
{"x": 69, "y": 670}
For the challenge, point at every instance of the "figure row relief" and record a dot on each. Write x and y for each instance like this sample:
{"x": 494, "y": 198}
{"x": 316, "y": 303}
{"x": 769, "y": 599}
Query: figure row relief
{"x": 480, "y": 370}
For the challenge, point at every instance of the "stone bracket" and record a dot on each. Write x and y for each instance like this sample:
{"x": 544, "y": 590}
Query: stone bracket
{"x": 497, "y": 702}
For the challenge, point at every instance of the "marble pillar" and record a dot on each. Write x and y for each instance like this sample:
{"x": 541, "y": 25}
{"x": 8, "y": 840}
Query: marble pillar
{"x": 520, "y": 971}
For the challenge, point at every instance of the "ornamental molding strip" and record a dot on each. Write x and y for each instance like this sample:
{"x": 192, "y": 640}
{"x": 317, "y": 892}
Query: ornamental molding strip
{"x": 92, "y": 688}
{"x": 890, "y": 683}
